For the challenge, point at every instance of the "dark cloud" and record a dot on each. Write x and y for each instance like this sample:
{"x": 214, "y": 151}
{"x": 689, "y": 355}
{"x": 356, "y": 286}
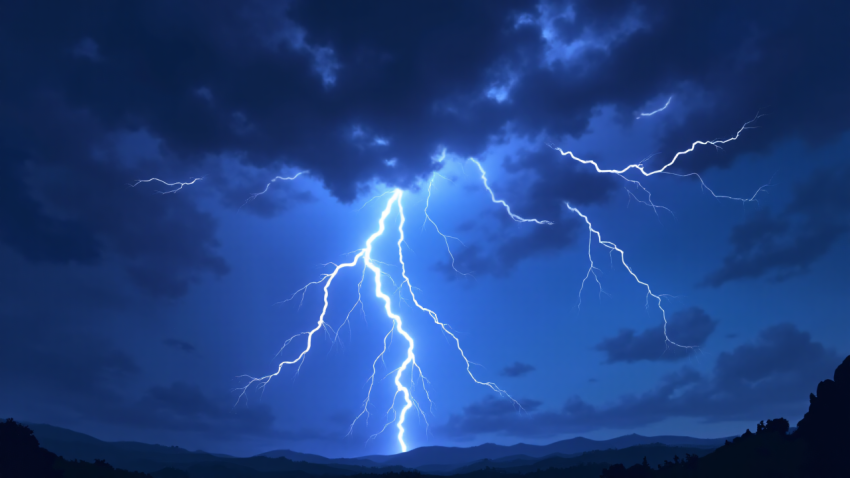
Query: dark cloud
{"x": 689, "y": 327}
{"x": 767, "y": 378}
{"x": 50, "y": 365}
{"x": 96, "y": 379}
{"x": 771, "y": 58}
{"x": 518, "y": 369}
{"x": 786, "y": 244}
{"x": 183, "y": 406}
{"x": 367, "y": 93}
{"x": 180, "y": 345}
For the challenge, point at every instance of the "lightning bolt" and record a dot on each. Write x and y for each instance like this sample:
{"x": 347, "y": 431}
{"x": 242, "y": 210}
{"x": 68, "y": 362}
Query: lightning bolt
{"x": 613, "y": 247}
{"x": 266, "y": 189}
{"x": 659, "y": 110}
{"x": 437, "y": 228}
{"x": 410, "y": 363}
{"x": 663, "y": 170}
{"x": 178, "y": 184}
{"x": 502, "y": 202}
{"x": 398, "y": 327}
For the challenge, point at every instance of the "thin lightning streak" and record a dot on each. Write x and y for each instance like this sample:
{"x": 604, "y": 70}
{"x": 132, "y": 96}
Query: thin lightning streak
{"x": 648, "y": 201}
{"x": 502, "y": 202}
{"x": 663, "y": 170}
{"x": 263, "y": 381}
{"x": 445, "y": 237}
{"x": 659, "y": 110}
{"x": 611, "y": 248}
{"x": 265, "y": 190}
{"x": 178, "y": 184}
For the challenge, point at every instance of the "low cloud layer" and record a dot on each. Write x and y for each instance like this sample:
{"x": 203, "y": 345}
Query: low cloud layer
{"x": 689, "y": 328}
{"x": 518, "y": 369}
{"x": 769, "y": 377}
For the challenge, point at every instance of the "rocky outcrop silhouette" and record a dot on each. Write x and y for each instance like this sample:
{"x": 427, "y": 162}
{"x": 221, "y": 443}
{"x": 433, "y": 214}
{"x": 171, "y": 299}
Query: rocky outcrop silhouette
{"x": 818, "y": 448}
{"x": 826, "y": 426}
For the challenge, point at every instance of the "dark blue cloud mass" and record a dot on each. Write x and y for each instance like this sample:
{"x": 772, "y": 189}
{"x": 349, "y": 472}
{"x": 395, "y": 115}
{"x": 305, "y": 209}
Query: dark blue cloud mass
{"x": 362, "y": 92}
{"x": 786, "y": 244}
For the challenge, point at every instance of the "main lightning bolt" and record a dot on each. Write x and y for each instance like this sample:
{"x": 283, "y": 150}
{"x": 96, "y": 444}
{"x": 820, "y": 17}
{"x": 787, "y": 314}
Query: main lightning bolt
{"x": 178, "y": 184}
{"x": 398, "y": 326}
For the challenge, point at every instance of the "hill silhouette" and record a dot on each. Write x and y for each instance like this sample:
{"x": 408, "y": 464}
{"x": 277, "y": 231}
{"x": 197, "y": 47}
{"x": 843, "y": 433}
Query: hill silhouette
{"x": 21, "y": 456}
{"x": 818, "y": 448}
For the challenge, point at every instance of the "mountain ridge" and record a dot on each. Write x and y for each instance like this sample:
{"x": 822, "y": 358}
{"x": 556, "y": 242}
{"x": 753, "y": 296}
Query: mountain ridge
{"x": 430, "y": 459}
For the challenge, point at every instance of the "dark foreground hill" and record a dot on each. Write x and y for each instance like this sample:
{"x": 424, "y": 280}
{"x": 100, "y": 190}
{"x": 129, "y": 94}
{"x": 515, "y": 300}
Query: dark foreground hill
{"x": 818, "y": 448}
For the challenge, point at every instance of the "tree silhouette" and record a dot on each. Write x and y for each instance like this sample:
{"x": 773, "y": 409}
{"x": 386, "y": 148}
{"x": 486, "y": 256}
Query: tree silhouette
{"x": 20, "y": 453}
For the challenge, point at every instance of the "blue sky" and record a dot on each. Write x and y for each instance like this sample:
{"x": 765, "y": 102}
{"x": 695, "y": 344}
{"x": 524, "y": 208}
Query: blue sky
{"x": 131, "y": 315}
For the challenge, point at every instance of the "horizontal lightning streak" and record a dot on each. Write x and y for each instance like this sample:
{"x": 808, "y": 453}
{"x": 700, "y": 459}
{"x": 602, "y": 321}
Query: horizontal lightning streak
{"x": 276, "y": 178}
{"x": 178, "y": 184}
{"x": 663, "y": 170}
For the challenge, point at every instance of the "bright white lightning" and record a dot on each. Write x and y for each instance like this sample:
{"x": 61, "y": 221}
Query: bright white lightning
{"x": 398, "y": 326}
{"x": 502, "y": 202}
{"x": 663, "y": 170}
{"x": 613, "y": 247}
{"x": 178, "y": 184}
{"x": 659, "y": 110}
{"x": 276, "y": 178}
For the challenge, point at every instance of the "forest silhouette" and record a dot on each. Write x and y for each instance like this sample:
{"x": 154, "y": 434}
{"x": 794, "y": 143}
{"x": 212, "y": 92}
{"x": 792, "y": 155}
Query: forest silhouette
{"x": 818, "y": 448}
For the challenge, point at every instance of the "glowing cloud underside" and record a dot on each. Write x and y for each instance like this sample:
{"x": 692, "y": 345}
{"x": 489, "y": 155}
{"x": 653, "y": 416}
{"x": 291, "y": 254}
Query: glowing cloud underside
{"x": 409, "y": 363}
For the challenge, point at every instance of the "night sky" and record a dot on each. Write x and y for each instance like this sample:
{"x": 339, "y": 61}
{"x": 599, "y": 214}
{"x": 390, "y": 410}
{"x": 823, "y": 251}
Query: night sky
{"x": 131, "y": 315}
